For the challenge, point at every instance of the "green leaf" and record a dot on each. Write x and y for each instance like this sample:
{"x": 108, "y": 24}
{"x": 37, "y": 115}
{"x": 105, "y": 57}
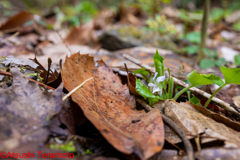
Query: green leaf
{"x": 158, "y": 57}
{"x": 195, "y": 100}
{"x": 207, "y": 63}
{"x": 237, "y": 59}
{"x": 194, "y": 37}
{"x": 141, "y": 71}
{"x": 183, "y": 16}
{"x": 158, "y": 66}
{"x": 152, "y": 100}
{"x": 220, "y": 62}
{"x": 210, "y": 53}
{"x": 88, "y": 152}
{"x": 216, "y": 14}
{"x": 231, "y": 75}
{"x": 143, "y": 90}
{"x": 201, "y": 79}
{"x": 236, "y": 26}
{"x": 191, "y": 49}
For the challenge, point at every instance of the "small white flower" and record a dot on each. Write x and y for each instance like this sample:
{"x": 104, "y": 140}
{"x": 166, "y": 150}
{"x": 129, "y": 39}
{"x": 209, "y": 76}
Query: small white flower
{"x": 156, "y": 84}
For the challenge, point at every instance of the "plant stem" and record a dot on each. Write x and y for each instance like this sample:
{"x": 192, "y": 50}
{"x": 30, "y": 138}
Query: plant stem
{"x": 181, "y": 92}
{"x": 208, "y": 101}
{"x": 204, "y": 30}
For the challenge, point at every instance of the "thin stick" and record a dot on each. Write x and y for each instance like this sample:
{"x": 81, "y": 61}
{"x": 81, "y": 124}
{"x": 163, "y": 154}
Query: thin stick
{"x": 180, "y": 133}
{"x": 40, "y": 84}
{"x": 195, "y": 90}
{"x": 74, "y": 90}
{"x": 8, "y": 38}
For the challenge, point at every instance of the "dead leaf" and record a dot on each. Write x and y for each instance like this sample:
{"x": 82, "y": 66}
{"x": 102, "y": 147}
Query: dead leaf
{"x": 218, "y": 153}
{"x": 195, "y": 120}
{"x": 25, "y": 111}
{"x": 10, "y": 49}
{"x": 54, "y": 79}
{"x": 82, "y": 35}
{"x": 132, "y": 84}
{"x": 17, "y": 21}
{"x": 109, "y": 106}
{"x": 13, "y": 61}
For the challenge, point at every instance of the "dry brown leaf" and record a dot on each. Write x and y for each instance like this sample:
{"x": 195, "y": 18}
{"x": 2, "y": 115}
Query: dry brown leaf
{"x": 25, "y": 110}
{"x": 17, "y": 21}
{"x": 109, "y": 106}
{"x": 54, "y": 79}
{"x": 195, "y": 120}
{"x": 82, "y": 35}
{"x": 10, "y": 49}
{"x": 132, "y": 84}
{"x": 218, "y": 153}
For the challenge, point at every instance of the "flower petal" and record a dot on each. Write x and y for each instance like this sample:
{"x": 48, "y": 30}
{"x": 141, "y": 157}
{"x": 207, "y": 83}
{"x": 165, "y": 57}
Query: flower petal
{"x": 166, "y": 74}
{"x": 160, "y": 79}
{"x": 151, "y": 84}
{"x": 160, "y": 93}
{"x": 156, "y": 89}
{"x": 156, "y": 73}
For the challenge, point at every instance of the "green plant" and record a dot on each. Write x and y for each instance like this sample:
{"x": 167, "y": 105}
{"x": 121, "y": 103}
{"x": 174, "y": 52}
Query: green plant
{"x": 160, "y": 86}
{"x": 79, "y": 14}
{"x": 204, "y": 30}
{"x": 196, "y": 79}
{"x": 237, "y": 59}
{"x": 231, "y": 76}
{"x": 68, "y": 147}
{"x": 194, "y": 38}
{"x": 212, "y": 59}
{"x": 152, "y": 7}
{"x": 161, "y": 25}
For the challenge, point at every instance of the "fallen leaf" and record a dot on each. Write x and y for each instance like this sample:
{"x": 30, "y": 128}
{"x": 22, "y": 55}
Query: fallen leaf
{"x": 17, "y": 21}
{"x": 82, "y": 35}
{"x": 10, "y": 49}
{"x": 54, "y": 79}
{"x": 13, "y": 61}
{"x": 25, "y": 111}
{"x": 218, "y": 153}
{"x": 195, "y": 120}
{"x": 109, "y": 106}
{"x": 132, "y": 84}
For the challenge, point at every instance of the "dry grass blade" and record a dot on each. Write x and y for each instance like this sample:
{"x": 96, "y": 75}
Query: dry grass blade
{"x": 70, "y": 93}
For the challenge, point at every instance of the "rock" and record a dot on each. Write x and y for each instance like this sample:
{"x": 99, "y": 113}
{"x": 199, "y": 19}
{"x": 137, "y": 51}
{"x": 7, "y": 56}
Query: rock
{"x": 228, "y": 53}
{"x": 130, "y": 36}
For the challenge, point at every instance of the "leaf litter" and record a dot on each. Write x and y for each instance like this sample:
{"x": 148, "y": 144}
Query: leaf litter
{"x": 26, "y": 110}
{"x": 102, "y": 100}
{"x": 109, "y": 106}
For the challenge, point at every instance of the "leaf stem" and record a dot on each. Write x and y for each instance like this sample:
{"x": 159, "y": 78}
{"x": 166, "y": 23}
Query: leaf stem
{"x": 181, "y": 92}
{"x": 209, "y": 99}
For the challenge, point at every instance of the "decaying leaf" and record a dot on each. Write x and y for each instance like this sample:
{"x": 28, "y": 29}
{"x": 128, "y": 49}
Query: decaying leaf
{"x": 132, "y": 84}
{"x": 54, "y": 78}
{"x": 195, "y": 120}
{"x": 17, "y": 21}
{"x": 109, "y": 106}
{"x": 218, "y": 153}
{"x": 25, "y": 111}
{"x": 13, "y": 61}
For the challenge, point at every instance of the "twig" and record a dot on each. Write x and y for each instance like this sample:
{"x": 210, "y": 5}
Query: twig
{"x": 74, "y": 90}
{"x": 49, "y": 67}
{"x": 8, "y": 38}
{"x": 180, "y": 133}
{"x": 147, "y": 107}
{"x": 41, "y": 84}
{"x": 195, "y": 90}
